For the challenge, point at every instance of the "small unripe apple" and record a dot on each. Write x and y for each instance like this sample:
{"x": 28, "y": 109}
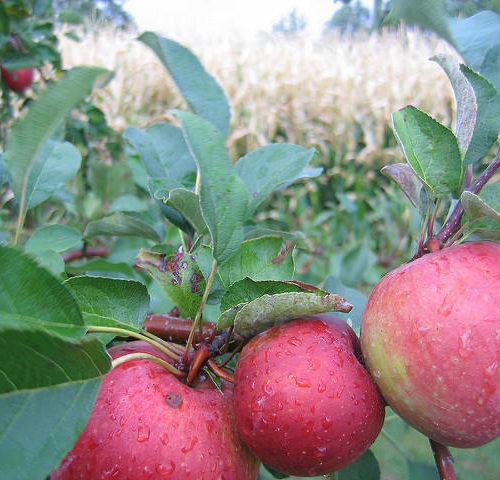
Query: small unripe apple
{"x": 146, "y": 423}
{"x": 430, "y": 336}
{"x": 17, "y": 80}
{"x": 304, "y": 404}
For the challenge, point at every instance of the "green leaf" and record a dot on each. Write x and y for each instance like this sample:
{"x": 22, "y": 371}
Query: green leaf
{"x": 365, "y": 467}
{"x": 4, "y": 20}
{"x": 490, "y": 67}
{"x": 407, "y": 180}
{"x": 178, "y": 275}
{"x": 182, "y": 200}
{"x": 266, "y": 168}
{"x": 264, "y": 258}
{"x": 68, "y": 15}
{"x": 123, "y": 225}
{"x": 164, "y": 152}
{"x": 475, "y": 37}
{"x": 48, "y": 386}
{"x": 269, "y": 310}
{"x": 55, "y": 237}
{"x": 483, "y": 211}
{"x": 430, "y": 148}
{"x": 488, "y": 116}
{"x": 128, "y": 203}
{"x": 110, "y": 302}
{"x": 245, "y": 291}
{"x": 100, "y": 267}
{"x": 223, "y": 196}
{"x": 465, "y": 100}
{"x": 31, "y": 131}
{"x": 427, "y": 14}
{"x": 201, "y": 91}
{"x": 353, "y": 296}
{"x": 32, "y": 296}
{"x": 421, "y": 471}
{"x": 50, "y": 260}
{"x": 354, "y": 264}
{"x": 56, "y": 164}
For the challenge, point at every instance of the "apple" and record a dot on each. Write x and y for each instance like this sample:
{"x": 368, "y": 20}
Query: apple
{"x": 304, "y": 403}
{"x": 17, "y": 80}
{"x": 146, "y": 423}
{"x": 430, "y": 335}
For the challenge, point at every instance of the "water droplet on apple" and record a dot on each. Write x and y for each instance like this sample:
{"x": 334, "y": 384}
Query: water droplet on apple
{"x": 267, "y": 388}
{"x": 164, "y": 470}
{"x": 143, "y": 433}
{"x": 302, "y": 382}
{"x": 491, "y": 369}
{"x": 190, "y": 447}
{"x": 306, "y": 429}
{"x": 326, "y": 422}
{"x": 321, "y": 387}
{"x": 122, "y": 421}
{"x": 377, "y": 373}
{"x": 319, "y": 452}
{"x": 295, "y": 341}
{"x": 113, "y": 472}
{"x": 164, "y": 439}
{"x": 465, "y": 347}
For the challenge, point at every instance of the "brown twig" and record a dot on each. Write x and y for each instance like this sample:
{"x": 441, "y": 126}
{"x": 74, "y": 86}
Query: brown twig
{"x": 444, "y": 461}
{"x": 85, "y": 253}
{"x": 175, "y": 329}
{"x": 201, "y": 355}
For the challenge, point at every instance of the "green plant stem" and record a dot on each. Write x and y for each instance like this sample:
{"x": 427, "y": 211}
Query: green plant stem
{"x": 159, "y": 361}
{"x": 430, "y": 228}
{"x": 197, "y": 318}
{"x": 140, "y": 336}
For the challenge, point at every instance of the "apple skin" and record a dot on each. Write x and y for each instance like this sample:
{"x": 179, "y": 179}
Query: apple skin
{"x": 138, "y": 429}
{"x": 304, "y": 404}
{"x": 430, "y": 335}
{"x": 17, "y": 80}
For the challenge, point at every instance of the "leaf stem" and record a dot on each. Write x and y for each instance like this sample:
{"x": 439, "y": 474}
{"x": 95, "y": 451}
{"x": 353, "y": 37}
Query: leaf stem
{"x": 453, "y": 223}
{"x": 140, "y": 336}
{"x": 197, "y": 318}
{"x": 148, "y": 356}
{"x": 444, "y": 461}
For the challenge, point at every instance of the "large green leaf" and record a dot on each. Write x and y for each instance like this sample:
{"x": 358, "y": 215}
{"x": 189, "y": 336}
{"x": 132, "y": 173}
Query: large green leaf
{"x": 178, "y": 275}
{"x": 55, "y": 237}
{"x": 31, "y": 131}
{"x": 201, "y": 91}
{"x": 365, "y": 467}
{"x": 488, "y": 116}
{"x": 264, "y": 258}
{"x": 421, "y": 471}
{"x": 476, "y": 38}
{"x": 32, "y": 296}
{"x": 223, "y": 196}
{"x": 121, "y": 224}
{"x": 110, "y": 302}
{"x": 465, "y": 100}
{"x": 430, "y": 148}
{"x": 48, "y": 386}
{"x": 55, "y": 165}
{"x": 483, "y": 211}
{"x": 264, "y": 169}
{"x": 427, "y": 14}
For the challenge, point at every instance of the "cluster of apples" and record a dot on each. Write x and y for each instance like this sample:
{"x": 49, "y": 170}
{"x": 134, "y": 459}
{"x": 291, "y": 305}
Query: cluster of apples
{"x": 303, "y": 402}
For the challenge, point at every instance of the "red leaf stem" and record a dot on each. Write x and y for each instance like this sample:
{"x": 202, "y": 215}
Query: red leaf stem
{"x": 444, "y": 461}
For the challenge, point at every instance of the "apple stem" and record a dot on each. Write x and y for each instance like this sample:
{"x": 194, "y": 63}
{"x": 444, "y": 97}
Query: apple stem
{"x": 176, "y": 329}
{"x": 444, "y": 461}
{"x": 197, "y": 318}
{"x": 201, "y": 355}
{"x": 159, "y": 361}
{"x": 145, "y": 336}
{"x": 219, "y": 371}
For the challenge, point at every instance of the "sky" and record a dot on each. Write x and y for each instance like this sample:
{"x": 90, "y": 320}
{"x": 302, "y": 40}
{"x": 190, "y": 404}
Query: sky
{"x": 219, "y": 16}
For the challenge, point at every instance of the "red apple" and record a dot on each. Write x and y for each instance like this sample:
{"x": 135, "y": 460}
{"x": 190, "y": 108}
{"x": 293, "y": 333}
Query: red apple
{"x": 430, "y": 336}
{"x": 17, "y": 80}
{"x": 304, "y": 404}
{"x": 146, "y": 423}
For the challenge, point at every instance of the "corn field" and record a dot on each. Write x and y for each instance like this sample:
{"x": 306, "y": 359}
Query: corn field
{"x": 336, "y": 94}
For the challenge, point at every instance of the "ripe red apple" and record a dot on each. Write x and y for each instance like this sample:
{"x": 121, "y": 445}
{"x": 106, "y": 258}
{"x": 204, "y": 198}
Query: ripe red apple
{"x": 17, "y": 80}
{"x": 304, "y": 404}
{"x": 430, "y": 336}
{"x": 147, "y": 424}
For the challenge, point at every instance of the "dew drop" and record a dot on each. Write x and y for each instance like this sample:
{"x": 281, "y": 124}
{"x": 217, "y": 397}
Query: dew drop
{"x": 164, "y": 439}
{"x": 464, "y": 347}
{"x": 321, "y": 387}
{"x": 190, "y": 447}
{"x": 326, "y": 422}
{"x": 295, "y": 341}
{"x": 122, "y": 421}
{"x": 164, "y": 470}
{"x": 143, "y": 433}
{"x": 319, "y": 452}
{"x": 302, "y": 382}
{"x": 491, "y": 369}
{"x": 306, "y": 429}
{"x": 267, "y": 388}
